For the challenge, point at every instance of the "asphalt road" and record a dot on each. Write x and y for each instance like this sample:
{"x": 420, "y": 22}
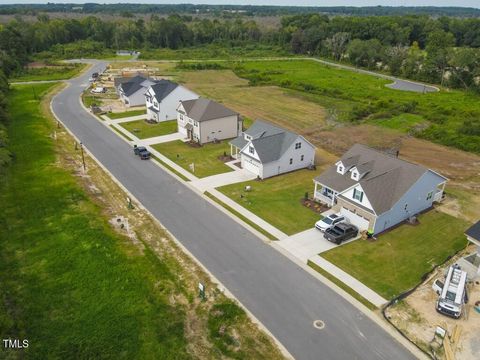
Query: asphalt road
{"x": 284, "y": 297}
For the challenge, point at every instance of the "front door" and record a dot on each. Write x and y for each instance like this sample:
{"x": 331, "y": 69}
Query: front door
{"x": 190, "y": 134}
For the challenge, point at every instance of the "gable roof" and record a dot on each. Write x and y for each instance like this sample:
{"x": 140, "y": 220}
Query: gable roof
{"x": 120, "y": 80}
{"x": 474, "y": 231}
{"x": 202, "y": 109}
{"x": 386, "y": 178}
{"x": 270, "y": 141}
{"x": 162, "y": 88}
{"x": 136, "y": 83}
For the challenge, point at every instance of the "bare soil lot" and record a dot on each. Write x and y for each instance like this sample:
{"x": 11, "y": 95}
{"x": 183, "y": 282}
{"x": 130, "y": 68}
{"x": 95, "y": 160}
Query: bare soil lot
{"x": 417, "y": 317}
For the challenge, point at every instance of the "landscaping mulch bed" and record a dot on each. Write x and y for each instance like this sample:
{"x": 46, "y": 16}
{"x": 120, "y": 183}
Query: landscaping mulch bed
{"x": 314, "y": 206}
{"x": 225, "y": 158}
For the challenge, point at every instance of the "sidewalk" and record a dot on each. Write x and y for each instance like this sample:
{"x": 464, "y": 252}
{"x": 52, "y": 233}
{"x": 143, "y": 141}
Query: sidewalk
{"x": 122, "y": 120}
{"x": 350, "y": 281}
{"x": 161, "y": 139}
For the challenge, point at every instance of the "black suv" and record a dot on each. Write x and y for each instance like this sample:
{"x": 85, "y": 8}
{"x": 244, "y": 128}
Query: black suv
{"x": 142, "y": 152}
{"x": 341, "y": 232}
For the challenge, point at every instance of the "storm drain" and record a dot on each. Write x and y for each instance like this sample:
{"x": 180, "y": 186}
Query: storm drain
{"x": 319, "y": 324}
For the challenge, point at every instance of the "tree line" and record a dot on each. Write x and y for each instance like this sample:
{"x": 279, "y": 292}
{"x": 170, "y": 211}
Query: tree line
{"x": 443, "y": 50}
{"x": 246, "y": 10}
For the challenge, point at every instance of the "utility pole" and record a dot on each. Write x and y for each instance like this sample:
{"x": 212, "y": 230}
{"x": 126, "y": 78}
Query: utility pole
{"x": 83, "y": 157}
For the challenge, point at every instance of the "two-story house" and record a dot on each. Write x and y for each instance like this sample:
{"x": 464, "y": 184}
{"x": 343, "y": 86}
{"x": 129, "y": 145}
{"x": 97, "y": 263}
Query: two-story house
{"x": 376, "y": 191}
{"x": 203, "y": 120}
{"x": 162, "y": 99}
{"x": 132, "y": 91}
{"x": 268, "y": 150}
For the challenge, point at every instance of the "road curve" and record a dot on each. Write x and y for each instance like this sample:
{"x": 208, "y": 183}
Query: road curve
{"x": 279, "y": 293}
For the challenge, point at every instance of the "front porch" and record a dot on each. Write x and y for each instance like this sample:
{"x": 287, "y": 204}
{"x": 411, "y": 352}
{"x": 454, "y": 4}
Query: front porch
{"x": 234, "y": 151}
{"x": 324, "y": 194}
{"x": 438, "y": 196}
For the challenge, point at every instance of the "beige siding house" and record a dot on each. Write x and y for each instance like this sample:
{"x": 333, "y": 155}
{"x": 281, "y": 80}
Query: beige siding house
{"x": 203, "y": 121}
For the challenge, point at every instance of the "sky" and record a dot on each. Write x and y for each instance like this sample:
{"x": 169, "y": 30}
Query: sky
{"x": 464, "y": 3}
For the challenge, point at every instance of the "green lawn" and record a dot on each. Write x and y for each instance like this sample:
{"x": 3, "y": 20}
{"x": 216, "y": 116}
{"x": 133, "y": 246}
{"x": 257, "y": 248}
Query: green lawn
{"x": 72, "y": 286}
{"x": 59, "y": 72}
{"x": 205, "y": 158}
{"x": 403, "y": 122}
{"x": 278, "y": 200}
{"x": 452, "y": 115}
{"x": 125, "y": 114}
{"x": 398, "y": 259}
{"x": 78, "y": 290}
{"x": 143, "y": 129}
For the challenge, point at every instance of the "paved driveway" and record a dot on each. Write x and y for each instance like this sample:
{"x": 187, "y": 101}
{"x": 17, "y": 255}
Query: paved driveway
{"x": 308, "y": 243}
{"x": 278, "y": 292}
{"x": 232, "y": 177}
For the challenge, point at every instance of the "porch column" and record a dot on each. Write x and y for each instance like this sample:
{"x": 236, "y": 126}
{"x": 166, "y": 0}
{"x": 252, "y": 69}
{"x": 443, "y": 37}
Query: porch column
{"x": 315, "y": 191}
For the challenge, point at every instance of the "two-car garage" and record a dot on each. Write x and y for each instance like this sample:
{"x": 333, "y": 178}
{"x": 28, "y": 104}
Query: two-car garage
{"x": 354, "y": 218}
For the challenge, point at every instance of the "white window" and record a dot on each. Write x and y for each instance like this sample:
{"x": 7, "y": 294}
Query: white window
{"x": 358, "y": 195}
{"x": 181, "y": 117}
{"x": 340, "y": 169}
{"x": 291, "y": 161}
{"x": 155, "y": 103}
{"x": 251, "y": 150}
{"x": 429, "y": 195}
{"x": 354, "y": 175}
{"x": 195, "y": 123}
{"x": 302, "y": 157}
{"x": 298, "y": 145}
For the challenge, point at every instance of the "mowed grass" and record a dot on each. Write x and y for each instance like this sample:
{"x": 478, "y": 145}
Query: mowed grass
{"x": 143, "y": 129}
{"x": 70, "y": 285}
{"x": 277, "y": 200}
{"x": 446, "y": 111}
{"x": 398, "y": 259}
{"x": 59, "y": 72}
{"x": 205, "y": 158}
{"x": 286, "y": 108}
{"x": 121, "y": 115}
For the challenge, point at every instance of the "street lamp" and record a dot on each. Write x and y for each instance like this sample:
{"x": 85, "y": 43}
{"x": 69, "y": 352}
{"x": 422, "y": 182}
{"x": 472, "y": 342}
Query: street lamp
{"x": 83, "y": 157}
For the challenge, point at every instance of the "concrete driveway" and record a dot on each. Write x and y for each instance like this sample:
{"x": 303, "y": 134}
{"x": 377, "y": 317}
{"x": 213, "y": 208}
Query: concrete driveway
{"x": 214, "y": 181}
{"x": 309, "y": 243}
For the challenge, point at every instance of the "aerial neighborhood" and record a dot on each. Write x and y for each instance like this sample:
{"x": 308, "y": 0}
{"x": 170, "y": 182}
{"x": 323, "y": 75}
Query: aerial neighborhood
{"x": 198, "y": 181}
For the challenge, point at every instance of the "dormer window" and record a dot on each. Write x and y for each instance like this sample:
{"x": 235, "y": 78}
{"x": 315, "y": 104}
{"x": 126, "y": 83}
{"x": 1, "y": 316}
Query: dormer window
{"x": 298, "y": 145}
{"x": 248, "y": 137}
{"x": 340, "y": 169}
{"x": 355, "y": 174}
{"x": 251, "y": 150}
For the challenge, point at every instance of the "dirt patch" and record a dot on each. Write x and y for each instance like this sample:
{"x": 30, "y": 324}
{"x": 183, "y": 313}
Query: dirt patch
{"x": 225, "y": 158}
{"x": 417, "y": 317}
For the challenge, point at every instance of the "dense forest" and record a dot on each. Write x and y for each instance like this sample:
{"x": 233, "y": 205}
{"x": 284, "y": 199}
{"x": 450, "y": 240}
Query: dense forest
{"x": 248, "y": 10}
{"x": 441, "y": 50}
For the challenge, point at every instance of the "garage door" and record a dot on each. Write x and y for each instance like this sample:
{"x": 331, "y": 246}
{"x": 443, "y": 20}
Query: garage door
{"x": 357, "y": 220}
{"x": 251, "y": 166}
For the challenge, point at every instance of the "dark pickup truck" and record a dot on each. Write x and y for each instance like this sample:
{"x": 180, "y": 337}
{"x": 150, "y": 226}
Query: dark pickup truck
{"x": 142, "y": 152}
{"x": 341, "y": 232}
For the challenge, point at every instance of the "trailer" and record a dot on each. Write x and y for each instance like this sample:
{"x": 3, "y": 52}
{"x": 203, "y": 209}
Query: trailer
{"x": 453, "y": 296}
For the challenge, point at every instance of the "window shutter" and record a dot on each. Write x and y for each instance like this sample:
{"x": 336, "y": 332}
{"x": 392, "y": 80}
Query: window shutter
{"x": 361, "y": 196}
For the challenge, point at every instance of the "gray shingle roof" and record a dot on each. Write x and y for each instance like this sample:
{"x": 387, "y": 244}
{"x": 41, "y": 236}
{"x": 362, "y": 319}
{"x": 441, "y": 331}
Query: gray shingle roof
{"x": 136, "y": 83}
{"x": 474, "y": 231}
{"x": 270, "y": 141}
{"x": 202, "y": 109}
{"x": 162, "y": 89}
{"x": 386, "y": 178}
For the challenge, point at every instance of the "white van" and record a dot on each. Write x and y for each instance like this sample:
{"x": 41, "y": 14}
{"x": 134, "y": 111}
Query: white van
{"x": 453, "y": 295}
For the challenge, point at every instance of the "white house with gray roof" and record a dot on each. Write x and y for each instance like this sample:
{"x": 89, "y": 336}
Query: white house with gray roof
{"x": 203, "y": 121}
{"x": 132, "y": 90}
{"x": 162, "y": 99}
{"x": 268, "y": 150}
{"x": 376, "y": 191}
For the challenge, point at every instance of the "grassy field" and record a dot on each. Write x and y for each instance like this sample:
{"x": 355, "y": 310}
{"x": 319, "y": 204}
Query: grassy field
{"x": 205, "y": 158}
{"x": 121, "y": 115}
{"x": 78, "y": 289}
{"x": 143, "y": 129}
{"x": 284, "y": 107}
{"x": 58, "y": 72}
{"x": 398, "y": 259}
{"x": 448, "y": 112}
{"x": 277, "y": 198}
